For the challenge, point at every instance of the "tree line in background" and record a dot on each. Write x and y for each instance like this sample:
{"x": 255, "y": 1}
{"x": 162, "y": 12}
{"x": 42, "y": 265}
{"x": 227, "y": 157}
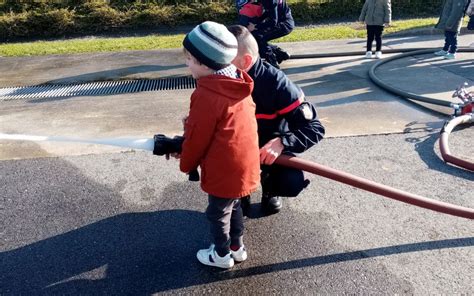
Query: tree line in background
{"x": 53, "y": 18}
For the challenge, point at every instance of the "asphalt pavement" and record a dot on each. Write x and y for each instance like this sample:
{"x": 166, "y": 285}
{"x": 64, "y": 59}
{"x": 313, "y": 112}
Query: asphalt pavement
{"x": 90, "y": 219}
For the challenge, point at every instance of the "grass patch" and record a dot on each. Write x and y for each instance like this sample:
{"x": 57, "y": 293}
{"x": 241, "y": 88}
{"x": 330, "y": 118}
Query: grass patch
{"x": 84, "y": 45}
{"x": 353, "y": 30}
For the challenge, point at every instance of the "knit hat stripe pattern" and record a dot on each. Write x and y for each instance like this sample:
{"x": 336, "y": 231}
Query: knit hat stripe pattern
{"x": 212, "y": 44}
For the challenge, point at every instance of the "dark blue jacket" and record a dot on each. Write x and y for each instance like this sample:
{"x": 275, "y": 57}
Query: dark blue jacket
{"x": 282, "y": 110}
{"x": 275, "y": 11}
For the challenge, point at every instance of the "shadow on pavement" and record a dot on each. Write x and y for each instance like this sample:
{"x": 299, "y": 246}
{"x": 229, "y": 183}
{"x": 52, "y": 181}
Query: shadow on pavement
{"x": 140, "y": 253}
{"x": 346, "y": 76}
{"x": 355, "y": 255}
{"x": 143, "y": 253}
{"x": 425, "y": 147}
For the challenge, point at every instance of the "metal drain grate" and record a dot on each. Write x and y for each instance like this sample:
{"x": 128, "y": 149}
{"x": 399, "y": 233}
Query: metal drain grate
{"x": 47, "y": 91}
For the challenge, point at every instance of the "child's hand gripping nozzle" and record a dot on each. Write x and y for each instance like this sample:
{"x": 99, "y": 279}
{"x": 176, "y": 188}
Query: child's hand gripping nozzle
{"x": 165, "y": 146}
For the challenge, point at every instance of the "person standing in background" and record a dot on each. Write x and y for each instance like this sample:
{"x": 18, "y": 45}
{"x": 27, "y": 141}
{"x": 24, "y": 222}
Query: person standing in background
{"x": 267, "y": 20}
{"x": 450, "y": 21}
{"x": 375, "y": 14}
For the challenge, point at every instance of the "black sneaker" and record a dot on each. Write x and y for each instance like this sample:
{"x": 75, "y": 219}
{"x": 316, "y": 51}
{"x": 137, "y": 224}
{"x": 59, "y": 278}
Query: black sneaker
{"x": 281, "y": 55}
{"x": 271, "y": 59}
{"x": 271, "y": 204}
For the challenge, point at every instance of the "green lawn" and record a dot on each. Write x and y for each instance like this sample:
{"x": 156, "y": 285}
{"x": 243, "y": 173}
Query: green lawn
{"x": 353, "y": 30}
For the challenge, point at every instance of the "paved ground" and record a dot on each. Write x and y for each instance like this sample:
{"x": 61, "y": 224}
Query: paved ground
{"x": 86, "y": 219}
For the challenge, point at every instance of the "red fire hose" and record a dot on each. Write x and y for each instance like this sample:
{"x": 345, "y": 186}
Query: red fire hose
{"x": 443, "y": 141}
{"x": 387, "y": 191}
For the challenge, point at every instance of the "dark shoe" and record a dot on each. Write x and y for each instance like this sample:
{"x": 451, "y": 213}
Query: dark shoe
{"x": 271, "y": 204}
{"x": 245, "y": 205}
{"x": 271, "y": 59}
{"x": 281, "y": 55}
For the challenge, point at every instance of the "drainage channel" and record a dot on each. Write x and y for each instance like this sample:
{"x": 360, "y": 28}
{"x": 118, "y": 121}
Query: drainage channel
{"x": 48, "y": 91}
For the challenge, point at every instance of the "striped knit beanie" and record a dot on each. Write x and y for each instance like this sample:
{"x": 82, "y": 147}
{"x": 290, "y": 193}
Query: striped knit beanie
{"x": 212, "y": 45}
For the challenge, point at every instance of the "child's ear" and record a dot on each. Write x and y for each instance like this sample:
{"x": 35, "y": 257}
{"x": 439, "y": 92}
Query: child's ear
{"x": 247, "y": 61}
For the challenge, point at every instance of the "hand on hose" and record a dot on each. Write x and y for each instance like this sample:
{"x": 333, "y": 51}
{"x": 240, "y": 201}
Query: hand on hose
{"x": 270, "y": 151}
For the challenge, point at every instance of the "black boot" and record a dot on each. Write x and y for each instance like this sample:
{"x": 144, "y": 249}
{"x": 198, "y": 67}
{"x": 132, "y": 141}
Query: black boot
{"x": 272, "y": 60}
{"x": 271, "y": 204}
{"x": 280, "y": 54}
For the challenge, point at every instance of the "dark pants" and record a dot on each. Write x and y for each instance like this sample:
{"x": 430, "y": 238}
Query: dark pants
{"x": 450, "y": 41}
{"x": 374, "y": 32}
{"x": 282, "y": 181}
{"x": 227, "y": 223}
{"x": 262, "y": 37}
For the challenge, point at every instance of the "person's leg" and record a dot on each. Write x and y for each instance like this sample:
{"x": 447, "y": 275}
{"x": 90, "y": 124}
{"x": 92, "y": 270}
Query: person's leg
{"x": 245, "y": 205}
{"x": 271, "y": 203}
{"x": 237, "y": 225}
{"x": 219, "y": 213}
{"x": 280, "y": 181}
{"x": 266, "y": 50}
{"x": 285, "y": 29}
{"x": 280, "y": 30}
{"x": 451, "y": 38}
{"x": 447, "y": 40}
{"x": 378, "y": 37}
{"x": 370, "y": 37}
{"x": 446, "y": 46}
{"x": 237, "y": 248}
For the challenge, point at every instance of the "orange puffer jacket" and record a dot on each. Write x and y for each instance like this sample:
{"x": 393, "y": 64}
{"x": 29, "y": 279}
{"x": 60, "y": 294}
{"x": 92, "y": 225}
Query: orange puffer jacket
{"x": 221, "y": 136}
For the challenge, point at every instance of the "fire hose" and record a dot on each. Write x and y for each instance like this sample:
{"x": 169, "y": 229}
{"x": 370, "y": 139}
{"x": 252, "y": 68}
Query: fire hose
{"x": 289, "y": 161}
{"x": 462, "y": 112}
{"x": 384, "y": 190}
{"x": 443, "y": 141}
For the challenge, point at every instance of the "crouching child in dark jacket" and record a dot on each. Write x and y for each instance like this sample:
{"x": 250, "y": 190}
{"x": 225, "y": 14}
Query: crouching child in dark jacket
{"x": 287, "y": 123}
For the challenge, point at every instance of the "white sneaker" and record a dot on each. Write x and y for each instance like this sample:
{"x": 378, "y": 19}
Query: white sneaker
{"x": 240, "y": 255}
{"x": 368, "y": 55}
{"x": 441, "y": 53}
{"x": 450, "y": 56}
{"x": 211, "y": 258}
{"x": 378, "y": 54}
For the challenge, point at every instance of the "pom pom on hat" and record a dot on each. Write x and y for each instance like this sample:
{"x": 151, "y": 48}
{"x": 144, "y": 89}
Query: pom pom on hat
{"x": 212, "y": 45}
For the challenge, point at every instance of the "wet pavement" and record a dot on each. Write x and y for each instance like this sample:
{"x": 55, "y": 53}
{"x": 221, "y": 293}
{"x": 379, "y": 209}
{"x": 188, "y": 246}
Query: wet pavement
{"x": 89, "y": 219}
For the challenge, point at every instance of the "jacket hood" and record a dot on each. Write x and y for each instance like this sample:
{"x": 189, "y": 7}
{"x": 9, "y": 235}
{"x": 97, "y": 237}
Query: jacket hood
{"x": 233, "y": 89}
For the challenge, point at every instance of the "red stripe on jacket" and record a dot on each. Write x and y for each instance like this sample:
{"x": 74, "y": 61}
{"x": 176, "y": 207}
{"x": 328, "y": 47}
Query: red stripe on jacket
{"x": 285, "y": 110}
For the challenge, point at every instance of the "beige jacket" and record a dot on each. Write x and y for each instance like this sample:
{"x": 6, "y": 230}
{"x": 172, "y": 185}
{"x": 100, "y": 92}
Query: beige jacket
{"x": 376, "y": 12}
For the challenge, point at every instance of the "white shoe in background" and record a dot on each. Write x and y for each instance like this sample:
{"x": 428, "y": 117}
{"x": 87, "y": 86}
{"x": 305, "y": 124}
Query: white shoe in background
{"x": 441, "y": 53}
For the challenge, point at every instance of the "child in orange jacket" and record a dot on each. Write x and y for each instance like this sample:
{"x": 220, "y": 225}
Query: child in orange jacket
{"x": 221, "y": 137}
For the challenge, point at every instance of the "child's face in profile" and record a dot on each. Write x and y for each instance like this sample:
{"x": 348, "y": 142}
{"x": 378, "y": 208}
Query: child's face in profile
{"x": 197, "y": 69}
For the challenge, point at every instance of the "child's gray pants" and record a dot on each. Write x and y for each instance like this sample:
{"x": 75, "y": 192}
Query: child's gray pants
{"x": 227, "y": 223}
